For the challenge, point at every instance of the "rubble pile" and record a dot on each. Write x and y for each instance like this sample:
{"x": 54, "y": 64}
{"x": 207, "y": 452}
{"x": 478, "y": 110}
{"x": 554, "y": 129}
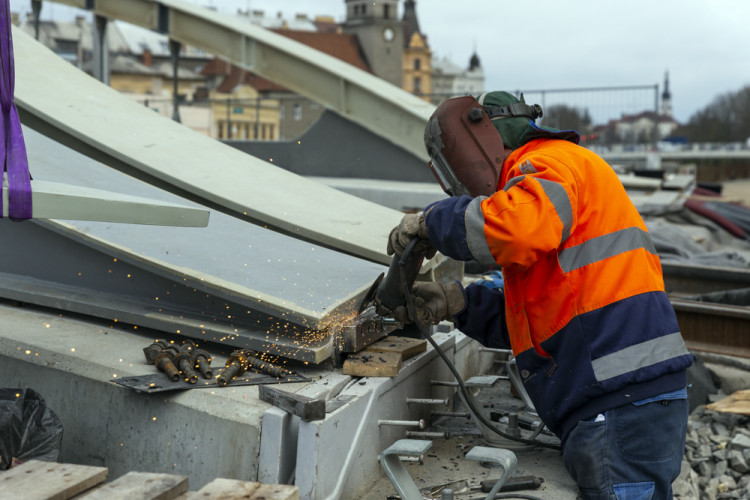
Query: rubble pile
{"x": 717, "y": 457}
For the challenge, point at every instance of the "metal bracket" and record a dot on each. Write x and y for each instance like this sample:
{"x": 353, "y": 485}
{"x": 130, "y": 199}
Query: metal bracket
{"x": 505, "y": 458}
{"x": 390, "y": 460}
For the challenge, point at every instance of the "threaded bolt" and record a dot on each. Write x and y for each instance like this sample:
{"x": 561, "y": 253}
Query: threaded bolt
{"x": 164, "y": 363}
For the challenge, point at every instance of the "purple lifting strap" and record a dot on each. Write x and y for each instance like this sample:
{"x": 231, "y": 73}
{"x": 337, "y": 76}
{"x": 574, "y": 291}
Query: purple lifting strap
{"x": 12, "y": 147}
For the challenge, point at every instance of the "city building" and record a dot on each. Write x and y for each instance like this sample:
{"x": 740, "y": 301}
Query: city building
{"x": 647, "y": 127}
{"x": 210, "y": 92}
{"x": 417, "y": 56}
{"x": 449, "y": 79}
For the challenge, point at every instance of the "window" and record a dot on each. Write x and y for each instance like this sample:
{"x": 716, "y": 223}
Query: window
{"x": 297, "y": 112}
{"x": 417, "y": 64}
{"x": 417, "y": 84}
{"x": 386, "y": 11}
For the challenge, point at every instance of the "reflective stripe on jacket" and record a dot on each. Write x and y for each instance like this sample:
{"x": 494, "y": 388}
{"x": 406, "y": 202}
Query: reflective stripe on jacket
{"x": 588, "y": 319}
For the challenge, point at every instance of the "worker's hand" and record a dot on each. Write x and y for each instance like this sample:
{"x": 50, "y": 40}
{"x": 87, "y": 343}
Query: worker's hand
{"x": 410, "y": 226}
{"x": 436, "y": 302}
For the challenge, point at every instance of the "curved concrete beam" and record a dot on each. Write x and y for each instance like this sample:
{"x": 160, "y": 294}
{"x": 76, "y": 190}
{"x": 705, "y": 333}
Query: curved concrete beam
{"x": 53, "y": 200}
{"x": 381, "y": 107}
{"x": 64, "y": 103}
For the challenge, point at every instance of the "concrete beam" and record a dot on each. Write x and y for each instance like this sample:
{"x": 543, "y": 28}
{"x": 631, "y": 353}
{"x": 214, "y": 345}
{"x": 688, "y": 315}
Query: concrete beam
{"x": 53, "y": 200}
{"x": 201, "y": 433}
{"x": 108, "y": 127}
{"x": 385, "y": 109}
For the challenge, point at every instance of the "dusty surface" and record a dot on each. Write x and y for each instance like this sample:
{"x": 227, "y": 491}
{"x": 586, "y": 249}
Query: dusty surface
{"x": 445, "y": 463}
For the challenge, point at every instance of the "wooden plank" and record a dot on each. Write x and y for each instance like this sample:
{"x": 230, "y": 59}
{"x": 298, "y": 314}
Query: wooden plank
{"x": 405, "y": 346}
{"x": 233, "y": 489}
{"x": 738, "y": 402}
{"x": 37, "y": 480}
{"x": 308, "y": 409}
{"x": 373, "y": 364}
{"x": 139, "y": 486}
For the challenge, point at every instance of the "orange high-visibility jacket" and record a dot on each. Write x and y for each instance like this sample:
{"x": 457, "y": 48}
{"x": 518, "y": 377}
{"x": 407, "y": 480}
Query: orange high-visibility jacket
{"x": 587, "y": 316}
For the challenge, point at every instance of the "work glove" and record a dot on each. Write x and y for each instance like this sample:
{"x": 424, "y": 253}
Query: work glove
{"x": 436, "y": 302}
{"x": 410, "y": 226}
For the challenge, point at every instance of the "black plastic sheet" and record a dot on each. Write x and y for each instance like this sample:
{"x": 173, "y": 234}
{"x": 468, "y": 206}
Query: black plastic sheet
{"x": 738, "y": 297}
{"x": 29, "y": 430}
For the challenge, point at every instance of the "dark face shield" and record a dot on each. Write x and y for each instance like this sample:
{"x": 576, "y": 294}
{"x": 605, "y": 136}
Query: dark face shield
{"x": 444, "y": 174}
{"x": 466, "y": 150}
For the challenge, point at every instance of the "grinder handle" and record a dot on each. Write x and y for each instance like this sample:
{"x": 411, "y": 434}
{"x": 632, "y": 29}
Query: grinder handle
{"x": 390, "y": 291}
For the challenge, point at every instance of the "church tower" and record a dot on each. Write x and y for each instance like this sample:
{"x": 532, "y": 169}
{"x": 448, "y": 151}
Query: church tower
{"x": 380, "y": 34}
{"x": 666, "y": 98}
{"x": 417, "y": 69}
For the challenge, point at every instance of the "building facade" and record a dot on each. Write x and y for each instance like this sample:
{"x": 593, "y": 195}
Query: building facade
{"x": 381, "y": 35}
{"x": 417, "y": 56}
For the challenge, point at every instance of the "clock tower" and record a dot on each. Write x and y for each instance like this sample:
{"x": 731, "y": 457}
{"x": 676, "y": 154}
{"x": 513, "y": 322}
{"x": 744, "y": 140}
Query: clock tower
{"x": 381, "y": 35}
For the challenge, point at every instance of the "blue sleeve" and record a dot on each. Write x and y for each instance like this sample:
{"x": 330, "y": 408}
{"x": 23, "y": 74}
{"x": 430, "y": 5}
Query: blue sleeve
{"x": 445, "y": 220}
{"x": 483, "y": 318}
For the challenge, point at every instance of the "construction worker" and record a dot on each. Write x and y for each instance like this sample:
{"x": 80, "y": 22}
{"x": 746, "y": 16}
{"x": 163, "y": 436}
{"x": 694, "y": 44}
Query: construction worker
{"x": 582, "y": 306}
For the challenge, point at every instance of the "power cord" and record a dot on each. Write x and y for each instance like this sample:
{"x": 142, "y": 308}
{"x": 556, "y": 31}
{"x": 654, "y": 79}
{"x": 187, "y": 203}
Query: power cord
{"x": 425, "y": 331}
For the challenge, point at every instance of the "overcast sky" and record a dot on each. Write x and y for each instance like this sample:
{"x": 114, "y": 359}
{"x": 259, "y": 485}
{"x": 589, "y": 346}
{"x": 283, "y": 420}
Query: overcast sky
{"x": 548, "y": 44}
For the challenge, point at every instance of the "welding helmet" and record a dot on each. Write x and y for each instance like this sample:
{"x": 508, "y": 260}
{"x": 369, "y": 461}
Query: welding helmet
{"x": 465, "y": 148}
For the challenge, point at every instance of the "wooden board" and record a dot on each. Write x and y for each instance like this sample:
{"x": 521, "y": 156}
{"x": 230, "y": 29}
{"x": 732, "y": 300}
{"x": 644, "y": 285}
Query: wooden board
{"x": 405, "y": 346}
{"x": 738, "y": 402}
{"x": 373, "y": 364}
{"x": 37, "y": 480}
{"x": 232, "y": 489}
{"x": 141, "y": 486}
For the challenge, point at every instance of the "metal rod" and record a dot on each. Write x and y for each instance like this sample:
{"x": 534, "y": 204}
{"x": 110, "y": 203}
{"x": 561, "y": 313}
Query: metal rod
{"x": 427, "y": 435}
{"x": 174, "y": 49}
{"x": 418, "y": 401}
{"x": 507, "y": 352}
{"x": 405, "y": 423}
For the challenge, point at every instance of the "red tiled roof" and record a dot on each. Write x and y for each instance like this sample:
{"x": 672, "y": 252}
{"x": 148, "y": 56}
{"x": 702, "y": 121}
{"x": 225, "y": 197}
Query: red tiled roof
{"x": 341, "y": 46}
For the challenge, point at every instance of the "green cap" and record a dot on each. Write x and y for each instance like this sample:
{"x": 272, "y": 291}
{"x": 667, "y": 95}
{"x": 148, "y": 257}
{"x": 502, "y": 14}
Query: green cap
{"x": 518, "y": 130}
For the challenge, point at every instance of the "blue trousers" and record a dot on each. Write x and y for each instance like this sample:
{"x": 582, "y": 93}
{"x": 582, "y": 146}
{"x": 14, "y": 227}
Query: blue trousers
{"x": 634, "y": 453}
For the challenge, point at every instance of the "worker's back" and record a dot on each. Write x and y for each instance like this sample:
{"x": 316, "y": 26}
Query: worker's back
{"x": 588, "y": 318}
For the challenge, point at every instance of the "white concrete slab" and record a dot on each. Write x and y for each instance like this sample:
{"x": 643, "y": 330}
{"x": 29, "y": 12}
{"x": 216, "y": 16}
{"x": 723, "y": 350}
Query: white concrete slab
{"x": 59, "y": 100}
{"x": 200, "y": 433}
{"x": 55, "y": 200}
